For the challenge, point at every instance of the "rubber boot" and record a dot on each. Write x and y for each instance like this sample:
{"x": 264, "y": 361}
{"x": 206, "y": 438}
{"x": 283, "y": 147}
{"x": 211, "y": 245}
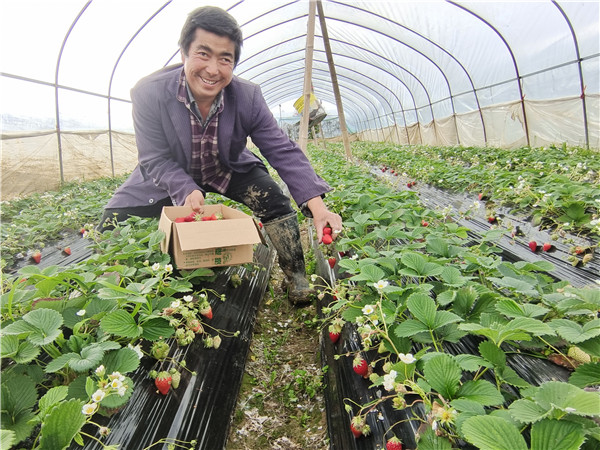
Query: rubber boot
{"x": 284, "y": 233}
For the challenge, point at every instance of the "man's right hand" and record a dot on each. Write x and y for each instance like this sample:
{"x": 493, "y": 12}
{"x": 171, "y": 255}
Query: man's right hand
{"x": 196, "y": 201}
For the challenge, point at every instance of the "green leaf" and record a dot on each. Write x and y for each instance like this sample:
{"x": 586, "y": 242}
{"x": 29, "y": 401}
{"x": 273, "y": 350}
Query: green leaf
{"x": 464, "y": 405}
{"x": 18, "y": 393}
{"x": 586, "y": 375}
{"x": 423, "y": 308}
{"x": 557, "y": 435}
{"x": 61, "y": 425}
{"x": 54, "y": 396}
{"x": 59, "y": 362}
{"x": 520, "y": 286}
{"x": 46, "y": 324}
{"x": 533, "y": 326}
{"x": 157, "y": 328}
{"x": 123, "y": 360}
{"x": 493, "y": 433}
{"x": 568, "y": 398}
{"x": 120, "y": 323}
{"x": 575, "y": 333}
{"x": 443, "y": 374}
{"x": 481, "y": 391}
{"x": 492, "y": 353}
{"x": 509, "y": 376}
{"x": 443, "y": 318}
{"x": 527, "y": 411}
{"x": 453, "y": 277}
{"x": 511, "y": 308}
{"x": 470, "y": 363}
{"x": 430, "y": 441}
{"x": 410, "y": 328}
{"x": 89, "y": 358}
{"x": 7, "y": 439}
{"x": 26, "y": 352}
{"x": 114, "y": 400}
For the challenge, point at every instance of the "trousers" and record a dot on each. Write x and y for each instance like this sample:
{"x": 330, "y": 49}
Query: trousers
{"x": 255, "y": 189}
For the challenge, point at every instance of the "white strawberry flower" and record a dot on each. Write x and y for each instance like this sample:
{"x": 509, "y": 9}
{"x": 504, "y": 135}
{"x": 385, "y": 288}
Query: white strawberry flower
{"x": 89, "y": 408}
{"x": 169, "y": 268}
{"x": 156, "y": 266}
{"x": 81, "y": 312}
{"x": 368, "y": 310}
{"x": 136, "y": 349}
{"x": 98, "y": 395}
{"x": 121, "y": 391}
{"x": 389, "y": 380}
{"x": 381, "y": 284}
{"x": 100, "y": 370}
{"x": 188, "y": 298}
{"x": 116, "y": 384}
{"x": 116, "y": 376}
{"x": 175, "y": 304}
{"x": 406, "y": 358}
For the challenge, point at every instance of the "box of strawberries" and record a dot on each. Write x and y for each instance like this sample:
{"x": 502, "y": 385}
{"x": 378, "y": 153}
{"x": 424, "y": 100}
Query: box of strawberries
{"x": 219, "y": 236}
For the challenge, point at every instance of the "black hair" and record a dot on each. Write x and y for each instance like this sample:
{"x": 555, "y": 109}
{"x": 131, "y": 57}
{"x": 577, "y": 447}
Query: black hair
{"x": 214, "y": 20}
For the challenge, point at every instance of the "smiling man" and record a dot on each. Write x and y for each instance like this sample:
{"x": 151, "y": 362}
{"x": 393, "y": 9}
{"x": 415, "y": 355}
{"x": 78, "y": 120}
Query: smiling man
{"x": 192, "y": 122}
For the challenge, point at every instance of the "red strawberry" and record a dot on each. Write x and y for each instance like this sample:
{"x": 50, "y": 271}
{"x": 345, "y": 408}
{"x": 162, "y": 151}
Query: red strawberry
{"x": 327, "y": 230}
{"x": 480, "y": 196}
{"x": 579, "y": 250}
{"x": 206, "y": 310}
{"x": 37, "y": 256}
{"x": 547, "y": 247}
{"x": 190, "y": 218}
{"x": 424, "y": 223}
{"x": 533, "y": 246}
{"x": 180, "y": 219}
{"x": 260, "y": 224}
{"x": 360, "y": 366}
{"x": 163, "y": 382}
{"x": 359, "y": 427}
{"x": 327, "y": 239}
{"x": 82, "y": 231}
{"x": 334, "y": 335}
{"x": 332, "y": 262}
{"x": 409, "y": 184}
{"x": 491, "y": 219}
{"x": 393, "y": 444}
{"x": 67, "y": 251}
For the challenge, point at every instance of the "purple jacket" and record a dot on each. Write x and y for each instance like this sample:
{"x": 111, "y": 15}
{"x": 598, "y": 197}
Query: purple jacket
{"x": 164, "y": 141}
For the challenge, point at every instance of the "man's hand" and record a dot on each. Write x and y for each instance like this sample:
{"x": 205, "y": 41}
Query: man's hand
{"x": 323, "y": 217}
{"x": 196, "y": 201}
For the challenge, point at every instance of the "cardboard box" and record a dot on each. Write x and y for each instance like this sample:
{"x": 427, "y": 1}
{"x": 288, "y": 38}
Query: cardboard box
{"x": 225, "y": 242}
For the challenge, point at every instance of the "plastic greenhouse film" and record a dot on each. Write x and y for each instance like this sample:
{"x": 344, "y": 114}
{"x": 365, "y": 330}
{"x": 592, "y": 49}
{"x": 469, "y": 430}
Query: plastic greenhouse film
{"x": 201, "y": 408}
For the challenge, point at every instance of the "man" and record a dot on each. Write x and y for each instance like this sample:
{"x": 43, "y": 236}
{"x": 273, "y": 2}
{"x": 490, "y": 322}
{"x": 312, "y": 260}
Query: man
{"x": 191, "y": 124}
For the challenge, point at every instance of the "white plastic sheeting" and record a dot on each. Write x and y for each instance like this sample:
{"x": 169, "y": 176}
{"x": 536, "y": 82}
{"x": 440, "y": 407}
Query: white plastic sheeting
{"x": 418, "y": 72}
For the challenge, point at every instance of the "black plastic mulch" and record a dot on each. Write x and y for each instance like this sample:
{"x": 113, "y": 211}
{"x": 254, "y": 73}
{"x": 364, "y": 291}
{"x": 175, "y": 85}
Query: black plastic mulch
{"x": 202, "y": 407}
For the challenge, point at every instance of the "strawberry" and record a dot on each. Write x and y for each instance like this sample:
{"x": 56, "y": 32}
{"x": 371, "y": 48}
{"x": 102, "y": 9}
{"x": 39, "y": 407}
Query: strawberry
{"x": 260, "y": 225}
{"x": 160, "y": 350}
{"x": 547, "y": 247}
{"x": 190, "y": 218}
{"x": 579, "y": 250}
{"x": 393, "y": 444}
{"x": 480, "y": 196}
{"x": 82, "y": 231}
{"x": 206, "y": 310}
{"x": 327, "y": 230}
{"x": 409, "y": 184}
{"x": 424, "y": 223}
{"x": 359, "y": 427}
{"x": 163, "y": 382}
{"x": 180, "y": 220}
{"x": 332, "y": 262}
{"x": 334, "y": 335}
{"x": 360, "y": 366}
{"x": 195, "y": 326}
{"x": 491, "y": 219}
{"x": 67, "y": 251}
{"x": 175, "y": 377}
{"x": 533, "y": 246}
{"x": 327, "y": 239}
{"x": 36, "y": 256}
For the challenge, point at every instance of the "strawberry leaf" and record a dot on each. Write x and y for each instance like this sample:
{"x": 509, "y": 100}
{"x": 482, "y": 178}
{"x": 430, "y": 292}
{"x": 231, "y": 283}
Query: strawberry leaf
{"x": 61, "y": 425}
{"x": 120, "y": 323}
{"x": 493, "y": 433}
{"x": 557, "y": 435}
{"x": 443, "y": 374}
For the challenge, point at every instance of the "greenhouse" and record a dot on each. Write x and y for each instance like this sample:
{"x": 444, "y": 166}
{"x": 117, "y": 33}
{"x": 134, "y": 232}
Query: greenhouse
{"x": 457, "y": 307}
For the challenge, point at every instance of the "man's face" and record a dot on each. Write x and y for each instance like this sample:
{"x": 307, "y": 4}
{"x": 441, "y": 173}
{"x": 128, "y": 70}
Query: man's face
{"x": 209, "y": 65}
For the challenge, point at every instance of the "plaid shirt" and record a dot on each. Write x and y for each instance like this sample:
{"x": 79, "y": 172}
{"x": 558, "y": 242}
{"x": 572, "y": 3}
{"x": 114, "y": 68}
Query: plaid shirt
{"x": 205, "y": 167}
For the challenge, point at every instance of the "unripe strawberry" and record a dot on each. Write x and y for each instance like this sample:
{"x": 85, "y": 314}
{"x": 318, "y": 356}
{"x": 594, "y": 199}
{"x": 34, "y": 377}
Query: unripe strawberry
{"x": 159, "y": 350}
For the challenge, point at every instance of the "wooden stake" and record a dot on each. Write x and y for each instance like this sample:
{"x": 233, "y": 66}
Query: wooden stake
{"x": 334, "y": 82}
{"x": 308, "y": 62}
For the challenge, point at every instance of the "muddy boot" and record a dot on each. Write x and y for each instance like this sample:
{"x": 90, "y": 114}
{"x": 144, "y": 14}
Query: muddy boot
{"x": 284, "y": 233}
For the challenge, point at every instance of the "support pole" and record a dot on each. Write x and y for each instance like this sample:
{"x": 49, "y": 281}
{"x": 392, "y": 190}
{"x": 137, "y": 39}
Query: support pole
{"x": 308, "y": 62}
{"x": 334, "y": 82}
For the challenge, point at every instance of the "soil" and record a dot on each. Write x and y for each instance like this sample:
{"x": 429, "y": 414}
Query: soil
{"x": 281, "y": 404}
